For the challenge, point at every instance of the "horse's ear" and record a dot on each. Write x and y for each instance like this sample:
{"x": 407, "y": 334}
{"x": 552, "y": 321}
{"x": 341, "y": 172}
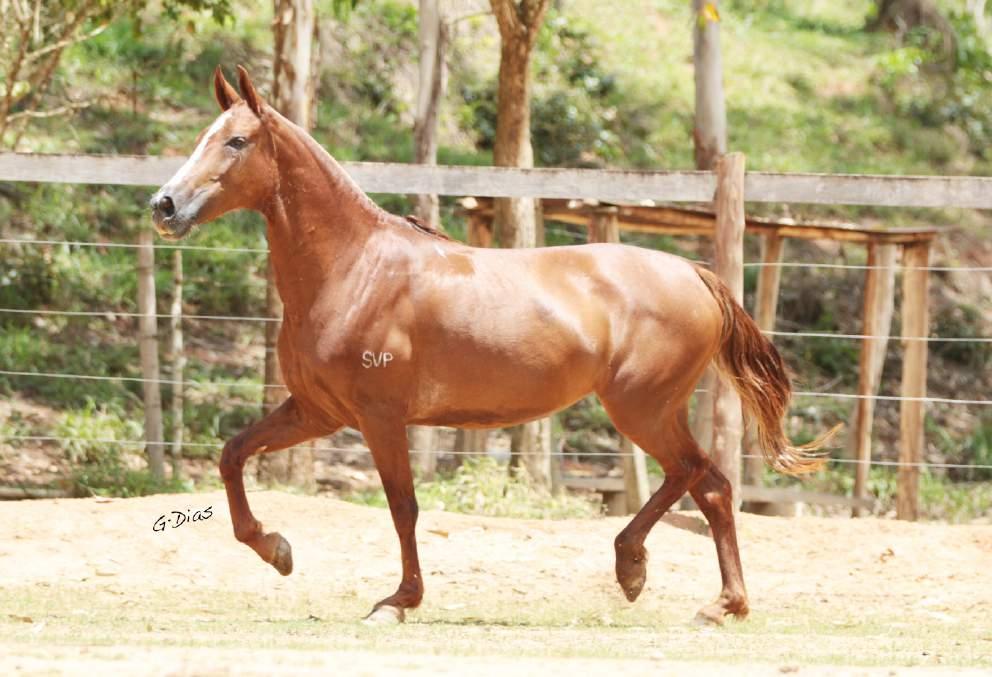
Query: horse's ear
{"x": 251, "y": 97}
{"x": 225, "y": 93}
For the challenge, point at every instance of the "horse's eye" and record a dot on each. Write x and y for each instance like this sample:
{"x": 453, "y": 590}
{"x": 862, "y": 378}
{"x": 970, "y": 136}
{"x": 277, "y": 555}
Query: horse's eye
{"x": 237, "y": 142}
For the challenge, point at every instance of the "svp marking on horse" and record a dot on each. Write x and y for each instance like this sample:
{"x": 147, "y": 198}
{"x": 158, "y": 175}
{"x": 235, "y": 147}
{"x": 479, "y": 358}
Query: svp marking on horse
{"x": 475, "y": 338}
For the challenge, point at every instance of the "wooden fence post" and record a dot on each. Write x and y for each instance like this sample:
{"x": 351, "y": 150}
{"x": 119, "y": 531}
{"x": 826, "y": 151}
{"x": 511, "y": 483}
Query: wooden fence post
{"x": 604, "y": 226}
{"x": 876, "y": 321}
{"x": 915, "y": 323}
{"x": 148, "y": 349}
{"x": 765, "y": 306}
{"x": 178, "y": 363}
{"x": 471, "y": 440}
{"x": 729, "y": 265}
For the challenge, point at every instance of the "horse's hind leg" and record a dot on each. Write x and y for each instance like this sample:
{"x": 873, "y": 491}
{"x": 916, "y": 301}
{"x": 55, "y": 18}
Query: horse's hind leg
{"x": 714, "y": 497}
{"x": 668, "y": 440}
{"x": 686, "y": 467}
{"x": 281, "y": 429}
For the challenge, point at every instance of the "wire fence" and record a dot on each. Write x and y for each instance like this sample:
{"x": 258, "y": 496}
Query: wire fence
{"x": 550, "y": 229}
{"x": 455, "y": 452}
{"x": 195, "y": 384}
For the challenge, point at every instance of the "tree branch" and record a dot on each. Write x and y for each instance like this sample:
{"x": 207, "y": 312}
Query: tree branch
{"x": 65, "y": 42}
{"x": 51, "y": 113}
{"x": 507, "y": 18}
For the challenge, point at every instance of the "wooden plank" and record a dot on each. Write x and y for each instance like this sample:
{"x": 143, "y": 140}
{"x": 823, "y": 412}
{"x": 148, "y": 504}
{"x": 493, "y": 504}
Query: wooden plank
{"x": 19, "y": 493}
{"x": 876, "y": 321}
{"x": 667, "y": 220}
{"x": 608, "y": 185}
{"x": 915, "y": 322}
{"x": 766, "y": 304}
{"x": 868, "y": 189}
{"x": 615, "y": 485}
{"x": 728, "y": 422}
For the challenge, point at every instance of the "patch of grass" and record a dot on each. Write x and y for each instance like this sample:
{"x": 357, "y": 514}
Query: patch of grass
{"x": 788, "y": 633}
{"x": 485, "y": 487}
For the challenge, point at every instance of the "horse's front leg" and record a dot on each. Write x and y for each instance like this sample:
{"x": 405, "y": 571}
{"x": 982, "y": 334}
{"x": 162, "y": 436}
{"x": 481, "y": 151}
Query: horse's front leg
{"x": 388, "y": 443}
{"x": 282, "y": 428}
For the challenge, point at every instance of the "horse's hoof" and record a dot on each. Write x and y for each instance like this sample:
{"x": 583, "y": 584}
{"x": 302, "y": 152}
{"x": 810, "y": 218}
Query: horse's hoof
{"x": 634, "y": 582}
{"x": 385, "y": 615}
{"x": 715, "y": 613}
{"x": 631, "y": 570}
{"x": 711, "y": 615}
{"x": 283, "y": 559}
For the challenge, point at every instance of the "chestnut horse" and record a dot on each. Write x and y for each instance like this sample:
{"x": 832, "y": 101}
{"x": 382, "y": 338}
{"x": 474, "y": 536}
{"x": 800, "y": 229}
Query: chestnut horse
{"x": 390, "y": 323}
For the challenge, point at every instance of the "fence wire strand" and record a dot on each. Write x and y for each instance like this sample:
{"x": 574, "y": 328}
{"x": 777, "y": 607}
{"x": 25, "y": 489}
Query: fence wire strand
{"x": 490, "y": 452}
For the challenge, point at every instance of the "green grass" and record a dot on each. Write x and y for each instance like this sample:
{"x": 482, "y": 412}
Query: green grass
{"x": 786, "y": 634}
{"x": 482, "y": 486}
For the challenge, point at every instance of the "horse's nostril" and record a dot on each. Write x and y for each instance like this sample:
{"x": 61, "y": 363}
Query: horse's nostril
{"x": 166, "y": 206}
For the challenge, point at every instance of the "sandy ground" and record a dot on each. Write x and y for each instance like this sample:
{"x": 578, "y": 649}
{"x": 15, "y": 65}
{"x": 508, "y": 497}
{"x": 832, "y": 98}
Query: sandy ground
{"x": 88, "y": 586}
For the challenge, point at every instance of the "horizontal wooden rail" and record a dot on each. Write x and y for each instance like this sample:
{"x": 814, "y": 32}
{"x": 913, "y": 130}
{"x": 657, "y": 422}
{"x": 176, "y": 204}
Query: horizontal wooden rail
{"x": 615, "y": 485}
{"x": 608, "y": 185}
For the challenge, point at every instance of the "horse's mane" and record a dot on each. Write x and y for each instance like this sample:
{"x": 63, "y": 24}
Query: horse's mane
{"x": 426, "y": 228}
{"x": 337, "y": 172}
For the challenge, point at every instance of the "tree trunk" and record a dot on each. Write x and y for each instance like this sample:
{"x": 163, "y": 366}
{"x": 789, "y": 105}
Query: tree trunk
{"x": 148, "y": 348}
{"x": 515, "y": 218}
{"x": 430, "y": 90}
{"x": 710, "y": 132}
{"x": 294, "y": 29}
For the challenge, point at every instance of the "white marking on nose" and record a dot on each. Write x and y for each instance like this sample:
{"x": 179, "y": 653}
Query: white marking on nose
{"x": 187, "y": 167}
{"x": 440, "y": 251}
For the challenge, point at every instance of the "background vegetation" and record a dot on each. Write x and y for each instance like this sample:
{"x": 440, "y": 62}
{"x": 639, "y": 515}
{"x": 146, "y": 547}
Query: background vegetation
{"x": 808, "y": 89}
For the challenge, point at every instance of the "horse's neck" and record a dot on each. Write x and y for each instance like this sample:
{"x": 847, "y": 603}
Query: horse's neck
{"x": 319, "y": 220}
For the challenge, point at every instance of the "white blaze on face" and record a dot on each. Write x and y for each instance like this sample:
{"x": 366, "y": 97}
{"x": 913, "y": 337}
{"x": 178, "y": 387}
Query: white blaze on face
{"x": 188, "y": 166}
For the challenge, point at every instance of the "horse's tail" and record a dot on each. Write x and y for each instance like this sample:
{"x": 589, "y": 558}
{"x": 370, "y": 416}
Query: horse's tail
{"x": 754, "y": 366}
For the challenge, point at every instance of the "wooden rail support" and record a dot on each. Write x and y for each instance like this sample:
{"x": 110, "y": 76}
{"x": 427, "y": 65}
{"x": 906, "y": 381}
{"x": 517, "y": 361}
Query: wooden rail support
{"x": 876, "y": 321}
{"x": 915, "y": 324}
{"x": 604, "y": 226}
{"x": 765, "y": 306}
{"x": 148, "y": 349}
{"x": 728, "y": 248}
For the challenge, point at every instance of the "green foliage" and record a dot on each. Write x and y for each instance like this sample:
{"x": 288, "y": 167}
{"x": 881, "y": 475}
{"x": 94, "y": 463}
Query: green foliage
{"x": 484, "y": 487}
{"x": 917, "y": 78}
{"x": 971, "y": 448}
{"x": 99, "y": 466}
{"x": 580, "y": 114}
{"x": 961, "y": 320}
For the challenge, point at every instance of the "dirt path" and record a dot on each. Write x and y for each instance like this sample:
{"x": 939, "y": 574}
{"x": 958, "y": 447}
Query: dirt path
{"x": 88, "y": 586}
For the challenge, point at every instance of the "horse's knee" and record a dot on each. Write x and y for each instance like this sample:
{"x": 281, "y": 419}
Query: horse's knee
{"x": 231, "y": 460}
{"x": 714, "y": 490}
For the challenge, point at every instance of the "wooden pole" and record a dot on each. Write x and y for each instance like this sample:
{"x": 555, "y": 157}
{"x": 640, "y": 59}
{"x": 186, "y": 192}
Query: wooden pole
{"x": 604, "y": 226}
{"x": 294, "y": 68}
{"x": 468, "y": 440}
{"x": 915, "y": 323}
{"x": 422, "y": 442}
{"x": 729, "y": 265}
{"x": 766, "y": 304}
{"x": 148, "y": 349}
{"x": 876, "y": 321}
{"x": 178, "y": 363}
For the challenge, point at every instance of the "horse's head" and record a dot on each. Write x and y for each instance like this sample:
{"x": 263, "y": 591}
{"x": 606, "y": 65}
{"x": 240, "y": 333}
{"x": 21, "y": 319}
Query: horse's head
{"x": 231, "y": 168}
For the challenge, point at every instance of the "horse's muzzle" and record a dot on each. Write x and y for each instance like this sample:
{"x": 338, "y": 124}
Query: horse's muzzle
{"x": 167, "y": 222}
